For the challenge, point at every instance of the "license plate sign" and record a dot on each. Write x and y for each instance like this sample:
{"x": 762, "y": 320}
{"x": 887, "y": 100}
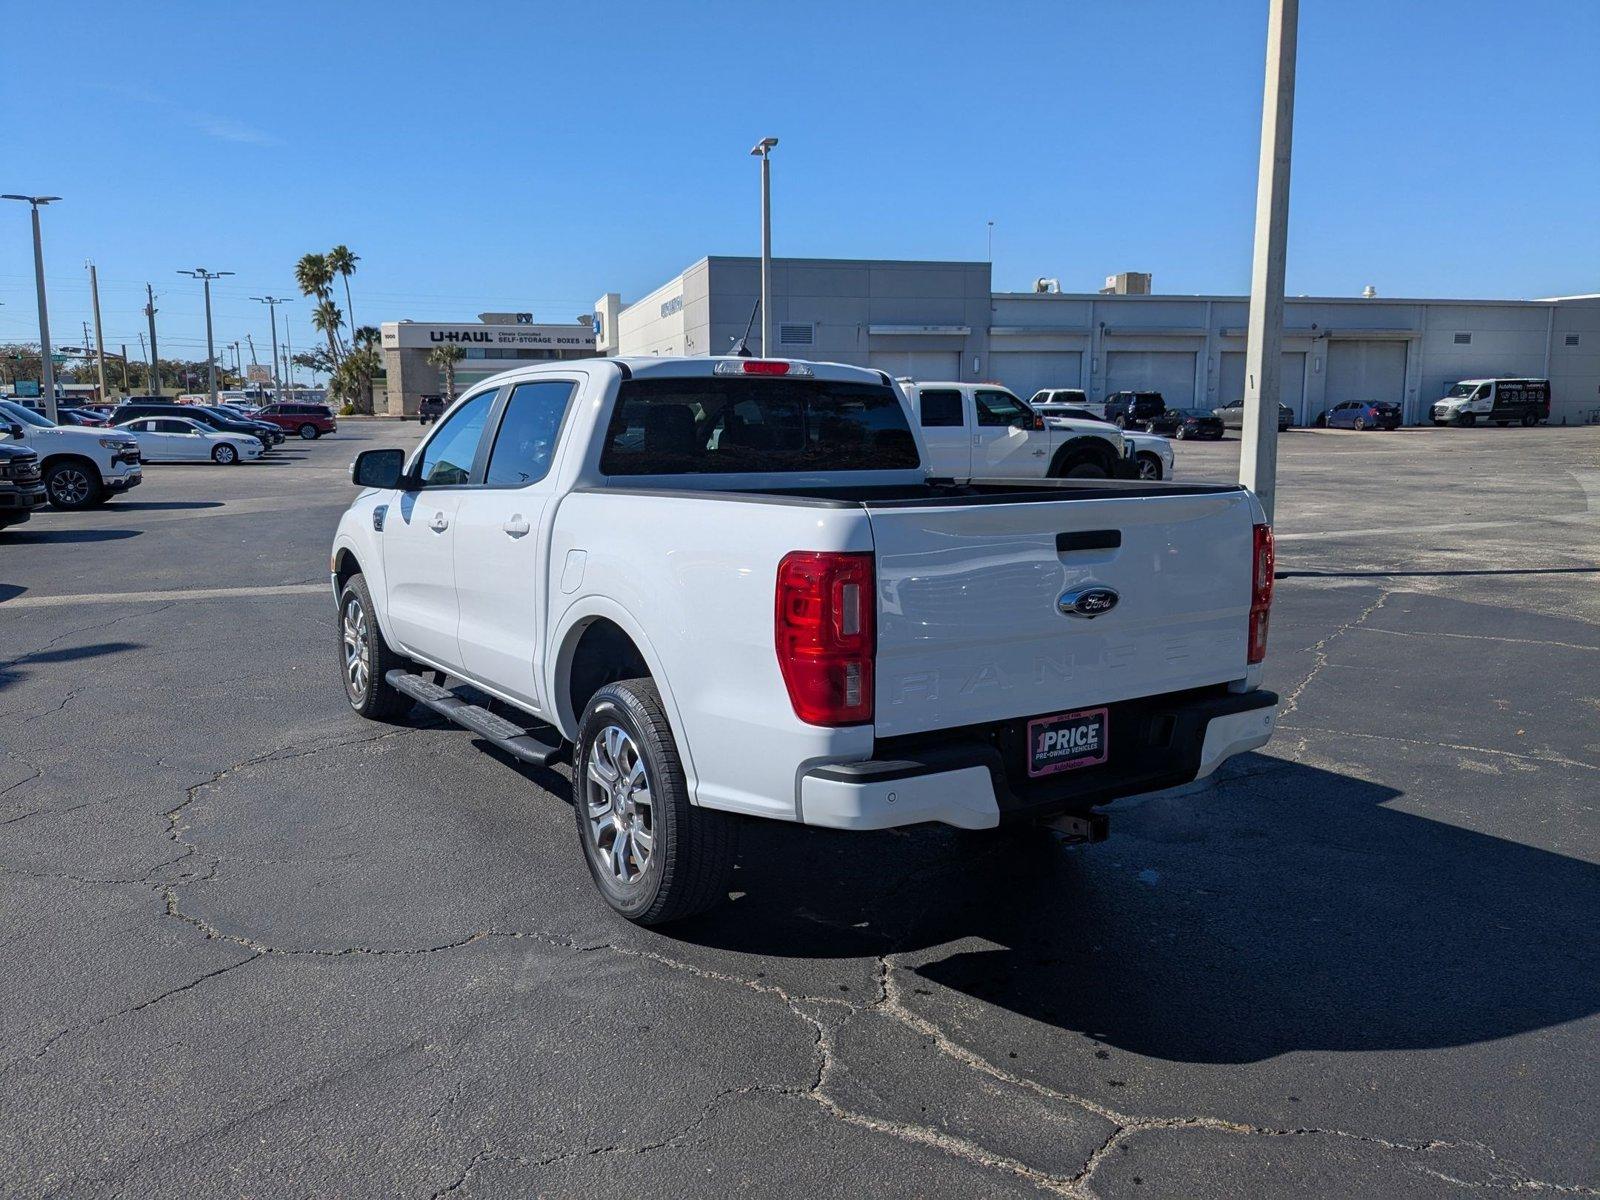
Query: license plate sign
{"x": 1068, "y": 741}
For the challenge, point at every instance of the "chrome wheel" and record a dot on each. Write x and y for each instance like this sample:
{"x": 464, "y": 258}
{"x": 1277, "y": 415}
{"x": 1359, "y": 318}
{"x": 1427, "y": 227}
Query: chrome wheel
{"x": 69, "y": 486}
{"x": 1149, "y": 468}
{"x": 225, "y": 454}
{"x": 357, "y": 656}
{"x": 618, "y": 804}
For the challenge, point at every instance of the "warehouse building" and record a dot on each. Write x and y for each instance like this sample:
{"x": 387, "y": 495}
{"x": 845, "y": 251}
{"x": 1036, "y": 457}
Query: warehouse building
{"x": 941, "y": 320}
{"x": 497, "y": 342}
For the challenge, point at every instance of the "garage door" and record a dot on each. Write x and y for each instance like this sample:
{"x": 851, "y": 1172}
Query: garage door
{"x": 1166, "y": 371}
{"x": 918, "y": 365}
{"x": 1027, "y": 371}
{"x": 1292, "y": 382}
{"x": 1366, "y": 371}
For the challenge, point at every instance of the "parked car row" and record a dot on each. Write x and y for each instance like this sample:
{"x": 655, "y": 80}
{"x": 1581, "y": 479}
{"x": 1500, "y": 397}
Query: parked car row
{"x": 90, "y": 455}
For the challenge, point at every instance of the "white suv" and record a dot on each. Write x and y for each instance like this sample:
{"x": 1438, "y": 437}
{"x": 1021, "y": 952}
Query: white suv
{"x": 82, "y": 467}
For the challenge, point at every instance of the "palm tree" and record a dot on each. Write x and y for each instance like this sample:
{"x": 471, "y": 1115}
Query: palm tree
{"x": 445, "y": 356}
{"x": 313, "y": 275}
{"x": 366, "y": 337}
{"x": 341, "y": 261}
{"x": 326, "y": 318}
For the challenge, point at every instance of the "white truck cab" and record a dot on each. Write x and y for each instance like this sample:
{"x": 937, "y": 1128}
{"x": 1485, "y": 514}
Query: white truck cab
{"x": 1502, "y": 401}
{"x": 82, "y": 467}
{"x": 983, "y": 431}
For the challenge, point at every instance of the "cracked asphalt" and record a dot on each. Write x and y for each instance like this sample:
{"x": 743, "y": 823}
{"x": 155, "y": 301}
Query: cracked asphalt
{"x": 252, "y": 945}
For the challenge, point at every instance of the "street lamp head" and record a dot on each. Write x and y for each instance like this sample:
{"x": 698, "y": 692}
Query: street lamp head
{"x": 765, "y": 144}
{"x": 33, "y": 200}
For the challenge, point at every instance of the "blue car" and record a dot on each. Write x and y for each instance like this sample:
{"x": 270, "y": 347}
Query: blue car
{"x": 1364, "y": 414}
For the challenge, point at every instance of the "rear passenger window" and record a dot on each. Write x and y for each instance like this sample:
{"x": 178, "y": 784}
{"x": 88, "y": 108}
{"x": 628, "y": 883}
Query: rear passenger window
{"x": 941, "y": 410}
{"x": 527, "y": 438}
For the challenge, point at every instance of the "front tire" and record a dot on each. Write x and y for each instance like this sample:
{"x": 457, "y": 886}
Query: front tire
{"x": 309, "y": 432}
{"x": 1149, "y": 465}
{"x": 224, "y": 455}
{"x": 654, "y": 856}
{"x": 366, "y": 658}
{"x": 73, "y": 485}
{"x": 1468, "y": 420}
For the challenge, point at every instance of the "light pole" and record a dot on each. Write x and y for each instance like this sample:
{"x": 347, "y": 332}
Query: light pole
{"x": 272, "y": 303}
{"x": 761, "y": 150}
{"x": 211, "y": 350}
{"x": 1263, "y": 357}
{"x": 47, "y": 367}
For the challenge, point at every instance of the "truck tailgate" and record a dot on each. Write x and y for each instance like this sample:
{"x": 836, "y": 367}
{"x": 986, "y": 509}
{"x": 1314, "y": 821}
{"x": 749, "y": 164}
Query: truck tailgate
{"x": 969, "y": 625}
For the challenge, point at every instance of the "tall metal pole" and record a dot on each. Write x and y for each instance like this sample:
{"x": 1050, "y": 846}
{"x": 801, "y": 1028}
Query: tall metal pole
{"x": 211, "y": 349}
{"x": 763, "y": 149}
{"x": 126, "y": 390}
{"x": 155, "y": 361}
{"x": 47, "y": 368}
{"x": 272, "y": 303}
{"x": 99, "y": 338}
{"x": 1263, "y": 359}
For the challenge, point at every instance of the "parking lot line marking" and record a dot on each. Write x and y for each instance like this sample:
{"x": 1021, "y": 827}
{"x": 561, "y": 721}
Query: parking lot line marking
{"x": 1454, "y": 527}
{"x": 235, "y": 593}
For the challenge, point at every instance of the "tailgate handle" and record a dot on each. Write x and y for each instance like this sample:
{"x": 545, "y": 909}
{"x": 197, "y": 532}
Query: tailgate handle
{"x": 1088, "y": 539}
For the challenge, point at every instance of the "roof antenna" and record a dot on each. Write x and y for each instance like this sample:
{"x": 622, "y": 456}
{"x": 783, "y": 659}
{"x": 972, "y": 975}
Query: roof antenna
{"x": 741, "y": 346}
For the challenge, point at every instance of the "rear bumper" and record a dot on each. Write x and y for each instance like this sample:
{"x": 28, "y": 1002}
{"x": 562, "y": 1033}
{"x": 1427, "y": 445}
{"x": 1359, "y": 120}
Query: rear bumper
{"x": 966, "y": 781}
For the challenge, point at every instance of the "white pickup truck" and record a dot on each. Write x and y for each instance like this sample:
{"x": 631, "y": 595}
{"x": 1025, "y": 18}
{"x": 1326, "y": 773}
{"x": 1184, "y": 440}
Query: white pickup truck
{"x": 82, "y": 467}
{"x": 983, "y": 431}
{"x": 731, "y": 587}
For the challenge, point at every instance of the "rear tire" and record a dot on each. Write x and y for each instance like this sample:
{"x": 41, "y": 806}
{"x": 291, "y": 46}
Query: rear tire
{"x": 1181, "y": 433}
{"x": 1360, "y": 423}
{"x": 654, "y": 856}
{"x": 309, "y": 432}
{"x": 366, "y": 658}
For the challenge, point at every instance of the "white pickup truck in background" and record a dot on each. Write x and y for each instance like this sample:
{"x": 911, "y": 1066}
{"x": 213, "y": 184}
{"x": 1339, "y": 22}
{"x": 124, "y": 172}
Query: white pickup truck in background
{"x": 82, "y": 467}
{"x": 731, "y": 587}
{"x": 983, "y": 431}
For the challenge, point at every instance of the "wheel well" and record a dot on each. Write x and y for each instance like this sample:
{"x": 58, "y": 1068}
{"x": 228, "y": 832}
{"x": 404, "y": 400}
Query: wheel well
{"x": 46, "y": 464}
{"x": 604, "y": 654}
{"x": 1083, "y": 449}
{"x": 344, "y": 566}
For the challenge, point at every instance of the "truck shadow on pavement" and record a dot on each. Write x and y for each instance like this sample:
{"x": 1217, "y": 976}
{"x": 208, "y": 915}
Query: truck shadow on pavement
{"x": 15, "y": 670}
{"x": 1289, "y": 909}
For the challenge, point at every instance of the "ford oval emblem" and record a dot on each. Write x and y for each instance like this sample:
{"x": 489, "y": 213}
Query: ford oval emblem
{"x": 1087, "y": 602}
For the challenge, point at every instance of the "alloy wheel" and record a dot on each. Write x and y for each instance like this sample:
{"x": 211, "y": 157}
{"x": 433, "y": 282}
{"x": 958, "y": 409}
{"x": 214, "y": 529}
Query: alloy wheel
{"x": 357, "y": 654}
{"x": 618, "y": 804}
{"x": 69, "y": 486}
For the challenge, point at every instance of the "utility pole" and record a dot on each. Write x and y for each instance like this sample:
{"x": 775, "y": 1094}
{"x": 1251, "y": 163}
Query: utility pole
{"x": 272, "y": 303}
{"x": 762, "y": 149}
{"x": 47, "y": 367}
{"x": 1263, "y": 359}
{"x": 150, "y": 315}
{"x": 99, "y": 339}
{"x": 288, "y": 355}
{"x": 211, "y": 349}
{"x": 126, "y": 390}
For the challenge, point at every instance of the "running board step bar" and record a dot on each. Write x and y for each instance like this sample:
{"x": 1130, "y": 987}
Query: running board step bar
{"x": 513, "y": 739}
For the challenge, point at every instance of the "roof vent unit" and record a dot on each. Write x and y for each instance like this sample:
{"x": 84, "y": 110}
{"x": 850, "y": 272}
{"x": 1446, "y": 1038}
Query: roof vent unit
{"x": 1127, "y": 283}
{"x": 1369, "y": 292}
{"x": 1043, "y": 286}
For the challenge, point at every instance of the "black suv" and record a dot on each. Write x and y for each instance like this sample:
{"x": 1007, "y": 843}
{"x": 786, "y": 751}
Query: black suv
{"x": 430, "y": 408}
{"x": 218, "y": 418}
{"x": 21, "y": 485}
{"x": 1134, "y": 408}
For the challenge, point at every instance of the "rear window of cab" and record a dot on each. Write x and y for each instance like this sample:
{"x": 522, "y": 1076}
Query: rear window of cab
{"x": 729, "y": 426}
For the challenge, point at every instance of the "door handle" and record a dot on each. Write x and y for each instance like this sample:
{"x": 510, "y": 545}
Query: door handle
{"x": 516, "y": 527}
{"x": 440, "y": 522}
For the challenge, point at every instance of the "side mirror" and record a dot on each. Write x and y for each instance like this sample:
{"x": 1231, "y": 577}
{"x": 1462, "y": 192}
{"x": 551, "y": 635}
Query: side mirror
{"x": 15, "y": 430}
{"x": 378, "y": 468}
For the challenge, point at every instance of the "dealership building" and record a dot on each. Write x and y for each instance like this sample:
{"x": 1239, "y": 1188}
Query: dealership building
{"x": 943, "y": 320}
{"x": 497, "y": 342}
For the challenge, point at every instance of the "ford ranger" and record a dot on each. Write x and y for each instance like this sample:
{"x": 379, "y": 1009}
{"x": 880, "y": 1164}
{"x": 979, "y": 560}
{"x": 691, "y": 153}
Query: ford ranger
{"x": 734, "y": 588}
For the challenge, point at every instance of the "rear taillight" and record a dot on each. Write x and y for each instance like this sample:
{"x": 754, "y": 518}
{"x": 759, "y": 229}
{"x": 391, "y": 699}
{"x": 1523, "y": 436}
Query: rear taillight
{"x": 826, "y": 636}
{"x": 762, "y": 366}
{"x": 1262, "y": 560}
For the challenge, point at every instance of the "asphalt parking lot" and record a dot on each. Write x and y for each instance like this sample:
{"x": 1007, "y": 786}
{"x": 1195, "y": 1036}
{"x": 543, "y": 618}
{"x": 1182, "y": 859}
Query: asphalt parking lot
{"x": 252, "y": 945}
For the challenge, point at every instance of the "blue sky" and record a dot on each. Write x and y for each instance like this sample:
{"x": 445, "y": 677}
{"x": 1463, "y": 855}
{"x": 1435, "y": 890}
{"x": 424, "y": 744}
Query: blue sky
{"x": 530, "y": 156}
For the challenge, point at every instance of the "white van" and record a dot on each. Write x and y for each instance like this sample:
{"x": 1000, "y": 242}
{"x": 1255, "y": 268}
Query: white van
{"x": 1499, "y": 400}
